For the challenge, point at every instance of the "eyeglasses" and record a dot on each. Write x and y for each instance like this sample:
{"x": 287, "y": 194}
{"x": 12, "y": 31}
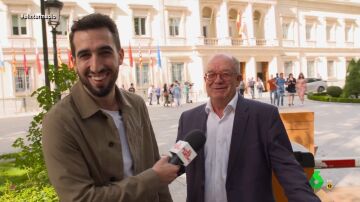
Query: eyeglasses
{"x": 226, "y": 76}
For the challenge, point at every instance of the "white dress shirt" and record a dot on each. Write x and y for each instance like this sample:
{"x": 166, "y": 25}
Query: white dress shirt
{"x": 127, "y": 160}
{"x": 217, "y": 147}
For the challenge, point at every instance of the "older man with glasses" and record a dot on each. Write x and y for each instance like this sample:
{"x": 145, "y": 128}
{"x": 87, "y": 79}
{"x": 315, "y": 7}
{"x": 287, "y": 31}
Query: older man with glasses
{"x": 246, "y": 141}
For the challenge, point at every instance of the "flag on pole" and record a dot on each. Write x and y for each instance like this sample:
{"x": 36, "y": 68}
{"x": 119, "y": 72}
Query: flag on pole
{"x": 140, "y": 57}
{"x": 158, "y": 56}
{"x": 151, "y": 59}
{"x": 238, "y": 22}
{"x": 13, "y": 63}
{"x": 2, "y": 61}
{"x": 70, "y": 59}
{"x": 243, "y": 30}
{"x": 131, "y": 60}
{"x": 25, "y": 63}
{"x": 38, "y": 63}
{"x": 60, "y": 62}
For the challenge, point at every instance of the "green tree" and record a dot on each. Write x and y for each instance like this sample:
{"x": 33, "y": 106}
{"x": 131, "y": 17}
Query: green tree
{"x": 352, "y": 83}
{"x": 30, "y": 156}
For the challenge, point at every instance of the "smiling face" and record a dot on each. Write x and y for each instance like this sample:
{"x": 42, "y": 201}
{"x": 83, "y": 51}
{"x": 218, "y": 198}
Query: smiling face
{"x": 97, "y": 60}
{"x": 222, "y": 87}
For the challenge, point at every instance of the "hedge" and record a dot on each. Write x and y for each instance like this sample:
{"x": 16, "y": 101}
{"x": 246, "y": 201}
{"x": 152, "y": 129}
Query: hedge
{"x": 326, "y": 98}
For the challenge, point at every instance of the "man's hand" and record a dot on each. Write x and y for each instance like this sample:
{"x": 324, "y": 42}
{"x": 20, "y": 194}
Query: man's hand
{"x": 166, "y": 171}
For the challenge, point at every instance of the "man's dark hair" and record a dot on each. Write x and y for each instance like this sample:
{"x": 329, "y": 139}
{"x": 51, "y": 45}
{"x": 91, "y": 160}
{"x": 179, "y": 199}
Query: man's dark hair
{"x": 94, "y": 21}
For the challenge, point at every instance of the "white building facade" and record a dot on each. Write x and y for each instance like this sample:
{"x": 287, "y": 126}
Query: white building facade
{"x": 318, "y": 38}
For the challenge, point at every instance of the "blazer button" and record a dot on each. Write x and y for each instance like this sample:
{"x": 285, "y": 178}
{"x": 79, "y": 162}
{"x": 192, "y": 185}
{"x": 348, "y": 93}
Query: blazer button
{"x": 111, "y": 144}
{"x": 112, "y": 179}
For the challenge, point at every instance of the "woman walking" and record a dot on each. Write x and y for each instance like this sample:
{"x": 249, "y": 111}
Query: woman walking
{"x": 301, "y": 87}
{"x": 291, "y": 88}
{"x": 166, "y": 95}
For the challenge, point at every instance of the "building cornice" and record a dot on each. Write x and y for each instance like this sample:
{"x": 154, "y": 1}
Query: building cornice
{"x": 141, "y": 6}
{"x": 103, "y": 5}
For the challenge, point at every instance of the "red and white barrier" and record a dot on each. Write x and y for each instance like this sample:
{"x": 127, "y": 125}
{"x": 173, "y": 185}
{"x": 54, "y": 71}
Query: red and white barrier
{"x": 337, "y": 163}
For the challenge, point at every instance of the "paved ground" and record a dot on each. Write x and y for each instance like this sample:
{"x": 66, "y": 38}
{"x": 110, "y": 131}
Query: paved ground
{"x": 337, "y": 134}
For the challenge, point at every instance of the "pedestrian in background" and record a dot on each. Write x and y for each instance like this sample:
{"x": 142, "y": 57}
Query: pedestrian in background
{"x": 186, "y": 91}
{"x": 166, "y": 95}
{"x": 291, "y": 88}
{"x": 259, "y": 86}
{"x": 131, "y": 89}
{"x": 150, "y": 93}
{"x": 251, "y": 86}
{"x": 301, "y": 87}
{"x": 272, "y": 86}
{"x": 157, "y": 94}
{"x": 280, "y": 89}
{"x": 242, "y": 87}
{"x": 176, "y": 91}
{"x": 171, "y": 95}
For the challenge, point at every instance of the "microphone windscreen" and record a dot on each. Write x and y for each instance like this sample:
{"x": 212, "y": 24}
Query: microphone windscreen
{"x": 196, "y": 139}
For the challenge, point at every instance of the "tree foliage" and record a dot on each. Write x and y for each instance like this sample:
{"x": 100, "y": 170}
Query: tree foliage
{"x": 30, "y": 156}
{"x": 352, "y": 83}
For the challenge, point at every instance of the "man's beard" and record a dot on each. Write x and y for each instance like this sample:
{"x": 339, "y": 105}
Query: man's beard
{"x": 104, "y": 90}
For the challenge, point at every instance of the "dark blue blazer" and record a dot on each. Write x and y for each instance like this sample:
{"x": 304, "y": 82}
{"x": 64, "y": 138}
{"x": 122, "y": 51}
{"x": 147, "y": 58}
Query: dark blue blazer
{"x": 259, "y": 145}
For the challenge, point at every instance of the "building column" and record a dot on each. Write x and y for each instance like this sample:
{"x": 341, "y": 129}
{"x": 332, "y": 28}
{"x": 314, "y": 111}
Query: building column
{"x": 297, "y": 68}
{"x": 195, "y": 23}
{"x": 273, "y": 66}
{"x": 250, "y": 69}
{"x": 271, "y": 27}
{"x": 222, "y": 25}
{"x": 302, "y": 31}
{"x": 196, "y": 71}
{"x": 321, "y": 68}
{"x": 340, "y": 33}
{"x": 357, "y": 34}
{"x": 321, "y": 32}
{"x": 250, "y": 24}
{"x": 303, "y": 65}
{"x": 341, "y": 68}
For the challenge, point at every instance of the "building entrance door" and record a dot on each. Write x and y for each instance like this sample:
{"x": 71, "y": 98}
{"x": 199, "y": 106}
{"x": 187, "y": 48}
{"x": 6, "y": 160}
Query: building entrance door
{"x": 262, "y": 72}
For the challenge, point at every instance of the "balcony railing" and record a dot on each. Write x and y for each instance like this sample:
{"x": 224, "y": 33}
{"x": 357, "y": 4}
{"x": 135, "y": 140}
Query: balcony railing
{"x": 331, "y": 44}
{"x": 21, "y": 41}
{"x": 210, "y": 41}
{"x": 349, "y": 44}
{"x": 310, "y": 44}
{"x": 288, "y": 43}
{"x": 238, "y": 42}
{"x": 261, "y": 42}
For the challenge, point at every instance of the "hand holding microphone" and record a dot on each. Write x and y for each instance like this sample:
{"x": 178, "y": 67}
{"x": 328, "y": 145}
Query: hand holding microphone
{"x": 167, "y": 172}
{"x": 183, "y": 152}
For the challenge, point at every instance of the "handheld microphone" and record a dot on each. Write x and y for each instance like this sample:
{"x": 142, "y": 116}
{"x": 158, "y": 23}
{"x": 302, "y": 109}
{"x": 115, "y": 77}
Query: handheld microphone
{"x": 183, "y": 152}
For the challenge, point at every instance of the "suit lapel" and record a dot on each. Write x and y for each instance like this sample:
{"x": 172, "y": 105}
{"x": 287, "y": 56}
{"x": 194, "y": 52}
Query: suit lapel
{"x": 239, "y": 129}
{"x": 201, "y": 161}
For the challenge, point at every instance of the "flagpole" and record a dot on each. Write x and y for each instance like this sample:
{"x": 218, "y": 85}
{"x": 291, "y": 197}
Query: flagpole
{"x": 45, "y": 45}
{"x": 153, "y": 75}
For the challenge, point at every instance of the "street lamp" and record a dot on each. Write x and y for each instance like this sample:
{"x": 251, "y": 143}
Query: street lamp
{"x": 53, "y": 8}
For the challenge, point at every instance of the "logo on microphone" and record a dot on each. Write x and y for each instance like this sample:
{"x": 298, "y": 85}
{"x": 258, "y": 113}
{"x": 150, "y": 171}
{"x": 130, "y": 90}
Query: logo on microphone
{"x": 178, "y": 145}
{"x": 184, "y": 151}
{"x": 187, "y": 154}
